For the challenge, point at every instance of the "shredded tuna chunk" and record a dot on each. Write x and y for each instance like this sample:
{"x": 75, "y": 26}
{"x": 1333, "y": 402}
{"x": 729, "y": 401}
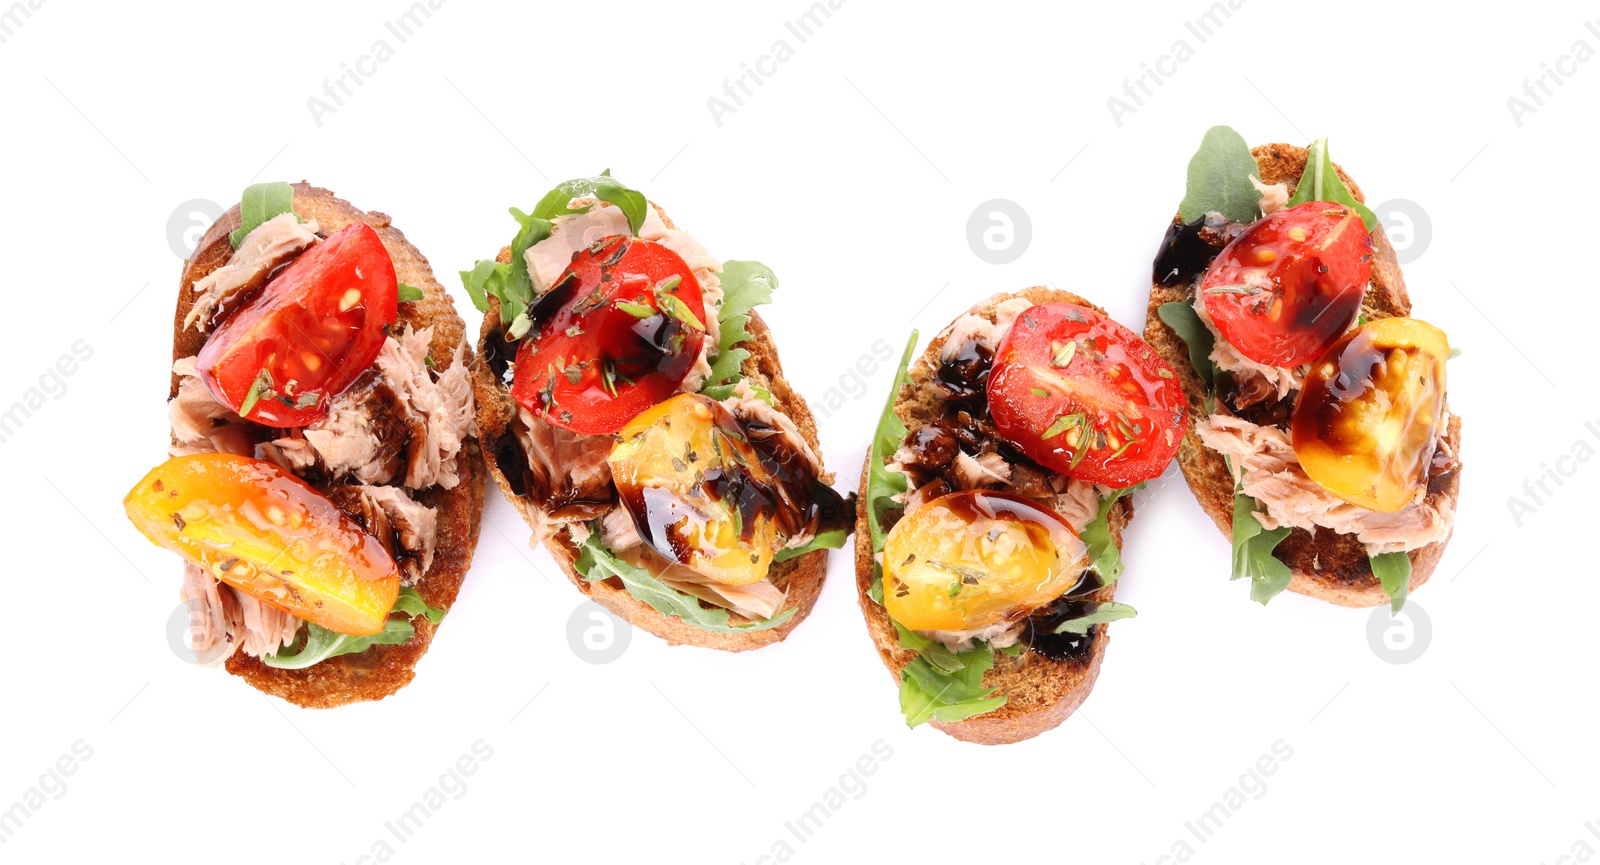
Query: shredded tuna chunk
{"x": 264, "y": 249}
{"x": 920, "y": 496}
{"x": 567, "y": 466}
{"x": 440, "y": 411}
{"x": 761, "y": 418}
{"x": 983, "y": 470}
{"x": 1077, "y": 501}
{"x": 398, "y": 410}
{"x": 1264, "y": 462}
{"x": 362, "y": 435}
{"x": 618, "y": 531}
{"x": 1000, "y": 635}
{"x": 200, "y": 424}
{"x": 407, "y": 527}
{"x": 1273, "y": 195}
{"x": 756, "y": 601}
{"x": 266, "y": 629}
{"x": 1275, "y": 379}
{"x": 976, "y": 328}
{"x": 208, "y": 617}
{"x": 221, "y": 616}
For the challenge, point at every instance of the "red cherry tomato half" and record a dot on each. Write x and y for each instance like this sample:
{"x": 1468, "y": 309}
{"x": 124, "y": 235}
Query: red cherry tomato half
{"x": 314, "y": 329}
{"x": 1289, "y": 287}
{"x": 1085, "y": 396}
{"x": 617, "y": 334}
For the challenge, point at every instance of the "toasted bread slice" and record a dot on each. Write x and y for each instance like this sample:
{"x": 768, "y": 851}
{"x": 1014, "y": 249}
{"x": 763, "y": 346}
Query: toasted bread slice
{"x": 381, "y": 670}
{"x": 1326, "y": 565}
{"x": 1040, "y": 692}
{"x": 799, "y": 578}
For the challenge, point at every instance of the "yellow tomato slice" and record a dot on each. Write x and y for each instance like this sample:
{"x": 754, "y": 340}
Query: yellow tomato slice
{"x": 1367, "y": 421}
{"x": 270, "y": 535}
{"x": 697, "y": 490}
{"x": 972, "y": 559}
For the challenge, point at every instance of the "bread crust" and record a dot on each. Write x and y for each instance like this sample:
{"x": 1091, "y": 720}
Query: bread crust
{"x": 1041, "y": 693}
{"x": 1325, "y": 564}
{"x": 381, "y": 670}
{"x": 799, "y": 578}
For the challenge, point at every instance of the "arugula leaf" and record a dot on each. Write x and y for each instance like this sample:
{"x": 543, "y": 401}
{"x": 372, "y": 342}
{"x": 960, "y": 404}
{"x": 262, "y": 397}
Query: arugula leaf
{"x": 831, "y": 539}
{"x": 1393, "y": 571}
{"x": 260, "y": 203}
{"x": 1109, "y": 611}
{"x": 720, "y": 392}
{"x": 921, "y": 707}
{"x": 487, "y": 277}
{"x": 599, "y": 563}
{"x": 1252, "y": 551}
{"x": 516, "y": 289}
{"x": 322, "y": 644}
{"x": 882, "y": 484}
{"x": 1104, "y": 557}
{"x": 943, "y": 685}
{"x": 409, "y": 293}
{"x": 745, "y": 285}
{"x": 1219, "y": 179}
{"x": 558, "y": 201}
{"x": 1185, "y": 322}
{"x": 1320, "y": 182}
{"x": 411, "y": 603}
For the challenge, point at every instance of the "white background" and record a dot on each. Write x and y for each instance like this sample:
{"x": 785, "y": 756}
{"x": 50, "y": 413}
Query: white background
{"x": 852, "y": 171}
